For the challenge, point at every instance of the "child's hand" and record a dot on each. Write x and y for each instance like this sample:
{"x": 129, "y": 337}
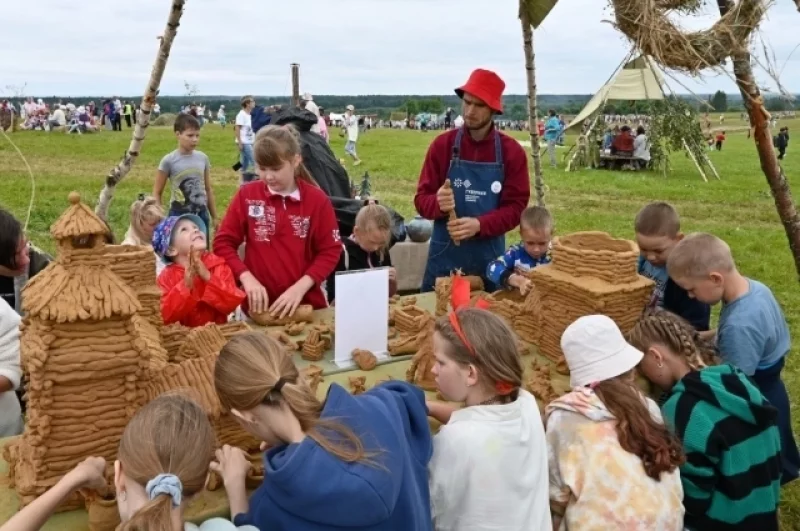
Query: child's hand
{"x": 392, "y": 274}
{"x": 199, "y": 267}
{"x": 90, "y": 474}
{"x": 188, "y": 276}
{"x": 257, "y": 298}
{"x": 232, "y": 464}
{"x": 523, "y": 284}
{"x": 290, "y": 299}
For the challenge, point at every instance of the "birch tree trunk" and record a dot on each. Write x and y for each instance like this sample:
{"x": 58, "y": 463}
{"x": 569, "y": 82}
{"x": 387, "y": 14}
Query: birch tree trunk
{"x": 759, "y": 119}
{"x": 143, "y": 119}
{"x": 530, "y": 70}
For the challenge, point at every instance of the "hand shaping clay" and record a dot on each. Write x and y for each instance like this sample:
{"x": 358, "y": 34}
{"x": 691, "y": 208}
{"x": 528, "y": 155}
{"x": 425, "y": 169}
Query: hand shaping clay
{"x": 365, "y": 359}
{"x": 304, "y": 313}
{"x": 357, "y": 384}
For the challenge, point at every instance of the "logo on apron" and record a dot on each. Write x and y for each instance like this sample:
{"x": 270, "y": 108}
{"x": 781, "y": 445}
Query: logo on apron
{"x": 496, "y": 187}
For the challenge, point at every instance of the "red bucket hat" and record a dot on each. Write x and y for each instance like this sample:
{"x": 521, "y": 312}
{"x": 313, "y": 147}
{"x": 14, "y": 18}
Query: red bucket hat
{"x": 487, "y": 86}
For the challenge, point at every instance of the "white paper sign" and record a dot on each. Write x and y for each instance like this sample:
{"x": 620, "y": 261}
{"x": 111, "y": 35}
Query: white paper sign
{"x": 362, "y": 314}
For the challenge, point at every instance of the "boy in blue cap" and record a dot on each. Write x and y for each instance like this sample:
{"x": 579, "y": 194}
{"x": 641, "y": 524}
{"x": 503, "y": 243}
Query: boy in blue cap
{"x": 197, "y": 286}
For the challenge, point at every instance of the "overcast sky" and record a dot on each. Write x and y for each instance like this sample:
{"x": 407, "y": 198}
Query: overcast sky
{"x": 106, "y": 47}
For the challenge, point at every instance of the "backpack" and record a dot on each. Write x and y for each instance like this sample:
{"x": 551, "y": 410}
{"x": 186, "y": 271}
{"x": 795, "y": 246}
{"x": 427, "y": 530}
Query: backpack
{"x": 259, "y": 117}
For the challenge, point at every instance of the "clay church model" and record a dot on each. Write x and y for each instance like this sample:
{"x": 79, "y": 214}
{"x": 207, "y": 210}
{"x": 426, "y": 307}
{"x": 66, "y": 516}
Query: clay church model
{"x": 93, "y": 350}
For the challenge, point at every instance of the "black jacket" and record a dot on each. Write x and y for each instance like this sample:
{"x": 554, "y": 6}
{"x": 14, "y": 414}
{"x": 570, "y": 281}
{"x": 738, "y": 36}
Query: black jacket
{"x": 677, "y": 301}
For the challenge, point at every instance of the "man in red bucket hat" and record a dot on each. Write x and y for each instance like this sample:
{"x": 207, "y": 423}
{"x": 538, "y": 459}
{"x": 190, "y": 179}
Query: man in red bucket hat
{"x": 489, "y": 185}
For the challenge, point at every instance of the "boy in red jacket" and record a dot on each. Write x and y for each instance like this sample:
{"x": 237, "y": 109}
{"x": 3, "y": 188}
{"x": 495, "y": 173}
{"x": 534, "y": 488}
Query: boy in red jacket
{"x": 289, "y": 227}
{"x": 197, "y": 286}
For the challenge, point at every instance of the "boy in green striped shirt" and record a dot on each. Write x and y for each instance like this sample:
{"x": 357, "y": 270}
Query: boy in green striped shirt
{"x": 731, "y": 478}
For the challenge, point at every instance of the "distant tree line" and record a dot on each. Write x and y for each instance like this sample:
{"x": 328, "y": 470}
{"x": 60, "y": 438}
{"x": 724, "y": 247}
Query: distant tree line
{"x": 515, "y": 105}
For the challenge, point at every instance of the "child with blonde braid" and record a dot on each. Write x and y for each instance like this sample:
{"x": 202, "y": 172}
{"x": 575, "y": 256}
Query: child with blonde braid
{"x": 348, "y": 462}
{"x": 729, "y": 431}
{"x": 489, "y": 465}
{"x": 146, "y": 214}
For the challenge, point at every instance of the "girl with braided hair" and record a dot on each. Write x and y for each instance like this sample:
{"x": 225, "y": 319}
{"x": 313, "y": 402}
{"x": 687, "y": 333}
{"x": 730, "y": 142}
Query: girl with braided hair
{"x": 729, "y": 431}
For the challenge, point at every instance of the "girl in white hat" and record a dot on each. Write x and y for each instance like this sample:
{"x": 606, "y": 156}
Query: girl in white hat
{"x": 613, "y": 464}
{"x": 489, "y": 465}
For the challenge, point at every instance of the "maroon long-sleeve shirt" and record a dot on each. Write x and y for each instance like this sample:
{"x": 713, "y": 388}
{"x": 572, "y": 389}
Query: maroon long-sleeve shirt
{"x": 516, "y": 187}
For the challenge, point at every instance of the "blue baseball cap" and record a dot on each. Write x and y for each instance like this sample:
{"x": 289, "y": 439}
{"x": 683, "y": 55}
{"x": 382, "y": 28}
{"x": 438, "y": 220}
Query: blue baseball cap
{"x": 162, "y": 235}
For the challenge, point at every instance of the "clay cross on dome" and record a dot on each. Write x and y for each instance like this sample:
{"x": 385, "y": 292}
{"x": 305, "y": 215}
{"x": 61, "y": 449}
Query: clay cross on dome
{"x": 79, "y": 227}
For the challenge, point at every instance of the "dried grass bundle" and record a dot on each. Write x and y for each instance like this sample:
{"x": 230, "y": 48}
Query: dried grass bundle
{"x": 645, "y": 22}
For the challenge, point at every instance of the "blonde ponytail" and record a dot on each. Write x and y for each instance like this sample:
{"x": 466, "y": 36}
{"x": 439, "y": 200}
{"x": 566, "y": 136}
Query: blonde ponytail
{"x": 156, "y": 515}
{"x": 253, "y": 369}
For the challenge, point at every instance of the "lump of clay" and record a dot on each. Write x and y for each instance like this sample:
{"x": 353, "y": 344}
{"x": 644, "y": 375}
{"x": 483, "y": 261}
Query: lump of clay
{"x": 303, "y": 314}
{"x": 365, "y": 359}
{"x": 357, "y": 384}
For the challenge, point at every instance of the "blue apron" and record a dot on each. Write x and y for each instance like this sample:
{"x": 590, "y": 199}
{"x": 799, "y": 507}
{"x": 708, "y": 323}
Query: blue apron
{"x": 476, "y": 187}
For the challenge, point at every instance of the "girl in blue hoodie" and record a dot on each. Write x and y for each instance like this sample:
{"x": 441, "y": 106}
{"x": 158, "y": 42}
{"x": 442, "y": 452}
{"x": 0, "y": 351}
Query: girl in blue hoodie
{"x": 348, "y": 462}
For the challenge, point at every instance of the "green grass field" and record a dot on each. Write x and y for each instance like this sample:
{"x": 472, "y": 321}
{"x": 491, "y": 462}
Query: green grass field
{"x": 737, "y": 208}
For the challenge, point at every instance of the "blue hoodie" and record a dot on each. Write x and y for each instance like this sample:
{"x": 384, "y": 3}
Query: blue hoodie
{"x": 308, "y": 489}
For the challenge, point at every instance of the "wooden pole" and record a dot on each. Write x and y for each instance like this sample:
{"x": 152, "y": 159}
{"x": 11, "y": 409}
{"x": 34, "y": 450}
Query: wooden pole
{"x": 759, "y": 118}
{"x": 530, "y": 71}
{"x": 694, "y": 159}
{"x": 143, "y": 120}
{"x": 295, "y": 84}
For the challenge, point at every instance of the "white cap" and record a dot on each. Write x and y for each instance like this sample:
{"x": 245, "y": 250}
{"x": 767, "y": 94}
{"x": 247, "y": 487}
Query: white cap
{"x": 596, "y": 351}
{"x": 307, "y": 96}
{"x": 350, "y": 108}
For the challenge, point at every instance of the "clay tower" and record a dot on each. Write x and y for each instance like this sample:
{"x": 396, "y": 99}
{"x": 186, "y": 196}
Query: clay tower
{"x": 591, "y": 273}
{"x": 85, "y": 349}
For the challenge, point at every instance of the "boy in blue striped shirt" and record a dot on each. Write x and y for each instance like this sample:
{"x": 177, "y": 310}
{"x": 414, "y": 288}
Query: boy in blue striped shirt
{"x": 510, "y": 270}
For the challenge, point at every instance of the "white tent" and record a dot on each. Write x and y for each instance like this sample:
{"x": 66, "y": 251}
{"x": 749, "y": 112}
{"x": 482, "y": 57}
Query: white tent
{"x": 637, "y": 80}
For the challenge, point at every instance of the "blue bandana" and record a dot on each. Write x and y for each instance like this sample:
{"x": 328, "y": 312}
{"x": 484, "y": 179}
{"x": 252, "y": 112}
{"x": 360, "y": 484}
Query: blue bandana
{"x": 162, "y": 235}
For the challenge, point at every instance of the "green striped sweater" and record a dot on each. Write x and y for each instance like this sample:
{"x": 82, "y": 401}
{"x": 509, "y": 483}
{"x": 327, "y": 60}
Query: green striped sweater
{"x": 731, "y": 478}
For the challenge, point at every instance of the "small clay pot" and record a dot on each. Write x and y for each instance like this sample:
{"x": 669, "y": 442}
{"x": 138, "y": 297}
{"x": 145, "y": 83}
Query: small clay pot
{"x": 419, "y": 230}
{"x": 103, "y": 514}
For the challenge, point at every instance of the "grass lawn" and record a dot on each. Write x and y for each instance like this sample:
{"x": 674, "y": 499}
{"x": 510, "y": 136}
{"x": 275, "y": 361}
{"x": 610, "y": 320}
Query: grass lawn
{"x": 738, "y": 208}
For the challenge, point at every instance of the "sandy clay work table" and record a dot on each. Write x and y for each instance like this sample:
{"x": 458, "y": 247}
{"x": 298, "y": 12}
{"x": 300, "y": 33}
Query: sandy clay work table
{"x": 209, "y": 504}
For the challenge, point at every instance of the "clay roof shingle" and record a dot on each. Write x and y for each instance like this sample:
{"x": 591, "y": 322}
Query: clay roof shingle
{"x": 77, "y": 220}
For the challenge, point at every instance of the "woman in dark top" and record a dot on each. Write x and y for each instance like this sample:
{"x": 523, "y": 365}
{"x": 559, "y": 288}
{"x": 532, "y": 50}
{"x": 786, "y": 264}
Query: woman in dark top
{"x": 367, "y": 247}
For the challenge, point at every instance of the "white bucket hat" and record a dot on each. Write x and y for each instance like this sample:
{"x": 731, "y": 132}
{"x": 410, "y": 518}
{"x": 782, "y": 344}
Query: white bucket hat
{"x": 596, "y": 351}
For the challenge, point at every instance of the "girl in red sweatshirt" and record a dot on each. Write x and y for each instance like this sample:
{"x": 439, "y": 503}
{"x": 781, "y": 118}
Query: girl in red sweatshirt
{"x": 289, "y": 226}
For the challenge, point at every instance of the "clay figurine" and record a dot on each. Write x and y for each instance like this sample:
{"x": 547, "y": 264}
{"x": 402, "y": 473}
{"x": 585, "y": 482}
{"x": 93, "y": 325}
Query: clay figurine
{"x": 357, "y": 384}
{"x": 313, "y": 376}
{"x": 365, "y": 359}
{"x": 295, "y": 329}
{"x": 314, "y": 346}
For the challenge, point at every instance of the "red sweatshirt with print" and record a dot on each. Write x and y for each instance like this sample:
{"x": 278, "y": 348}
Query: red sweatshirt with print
{"x": 207, "y": 302}
{"x": 516, "y": 186}
{"x": 286, "y": 236}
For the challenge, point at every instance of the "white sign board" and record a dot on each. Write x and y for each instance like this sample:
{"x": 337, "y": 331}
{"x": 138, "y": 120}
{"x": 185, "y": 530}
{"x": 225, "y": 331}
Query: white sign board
{"x": 362, "y": 314}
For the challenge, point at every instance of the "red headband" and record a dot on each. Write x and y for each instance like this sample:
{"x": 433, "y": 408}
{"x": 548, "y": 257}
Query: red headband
{"x": 460, "y": 298}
